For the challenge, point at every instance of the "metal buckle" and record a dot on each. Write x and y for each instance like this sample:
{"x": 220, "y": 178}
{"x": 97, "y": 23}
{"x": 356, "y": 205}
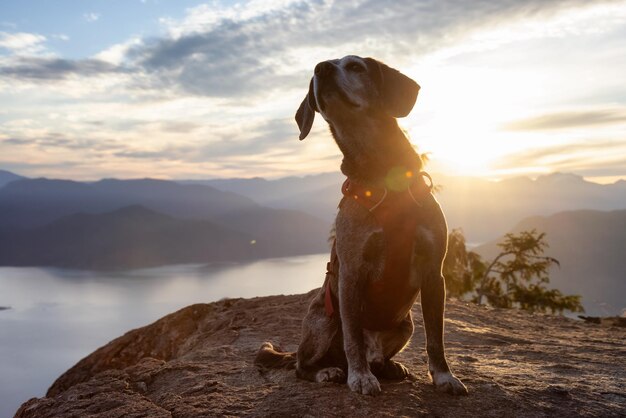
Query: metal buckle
{"x": 430, "y": 179}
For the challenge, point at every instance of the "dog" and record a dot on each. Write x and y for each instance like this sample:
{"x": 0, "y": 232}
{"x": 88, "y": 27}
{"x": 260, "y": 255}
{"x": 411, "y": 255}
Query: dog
{"x": 390, "y": 243}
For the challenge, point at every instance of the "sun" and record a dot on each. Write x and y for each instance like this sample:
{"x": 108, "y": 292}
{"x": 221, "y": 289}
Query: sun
{"x": 460, "y": 114}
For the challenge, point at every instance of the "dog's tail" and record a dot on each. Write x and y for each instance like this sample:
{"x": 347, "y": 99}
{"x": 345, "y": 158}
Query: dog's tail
{"x": 271, "y": 357}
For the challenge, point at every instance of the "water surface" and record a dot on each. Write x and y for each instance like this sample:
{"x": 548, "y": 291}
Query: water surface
{"x": 59, "y": 316}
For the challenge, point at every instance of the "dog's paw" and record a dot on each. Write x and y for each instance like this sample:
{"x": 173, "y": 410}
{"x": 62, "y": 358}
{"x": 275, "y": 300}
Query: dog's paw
{"x": 394, "y": 370}
{"x": 330, "y": 374}
{"x": 364, "y": 382}
{"x": 448, "y": 383}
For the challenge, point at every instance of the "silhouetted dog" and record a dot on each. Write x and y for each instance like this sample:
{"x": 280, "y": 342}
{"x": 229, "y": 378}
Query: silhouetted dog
{"x": 391, "y": 237}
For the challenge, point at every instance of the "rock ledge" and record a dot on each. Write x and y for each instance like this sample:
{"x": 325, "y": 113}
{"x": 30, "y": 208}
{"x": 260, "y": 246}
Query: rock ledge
{"x": 197, "y": 362}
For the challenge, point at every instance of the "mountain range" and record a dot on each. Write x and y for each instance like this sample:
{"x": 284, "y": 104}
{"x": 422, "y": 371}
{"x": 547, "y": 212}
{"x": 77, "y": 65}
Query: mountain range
{"x": 121, "y": 224}
{"x": 483, "y": 209}
{"x": 7, "y": 177}
{"x": 36, "y": 202}
{"x": 126, "y": 238}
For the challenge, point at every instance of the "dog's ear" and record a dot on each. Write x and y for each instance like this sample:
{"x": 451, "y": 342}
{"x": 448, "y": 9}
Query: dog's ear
{"x": 398, "y": 92}
{"x": 306, "y": 112}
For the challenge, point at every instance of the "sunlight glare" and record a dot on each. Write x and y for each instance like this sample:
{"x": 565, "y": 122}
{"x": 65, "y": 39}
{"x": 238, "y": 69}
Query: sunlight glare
{"x": 460, "y": 112}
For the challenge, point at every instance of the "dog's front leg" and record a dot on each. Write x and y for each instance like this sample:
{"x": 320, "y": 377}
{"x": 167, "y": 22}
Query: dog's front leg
{"x": 433, "y": 302}
{"x": 351, "y": 289}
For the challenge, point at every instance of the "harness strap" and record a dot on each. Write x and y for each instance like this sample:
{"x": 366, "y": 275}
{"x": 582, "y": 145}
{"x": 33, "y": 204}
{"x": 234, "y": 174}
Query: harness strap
{"x": 328, "y": 300}
{"x": 332, "y": 269}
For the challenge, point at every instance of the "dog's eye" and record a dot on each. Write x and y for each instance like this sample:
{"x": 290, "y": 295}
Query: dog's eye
{"x": 353, "y": 66}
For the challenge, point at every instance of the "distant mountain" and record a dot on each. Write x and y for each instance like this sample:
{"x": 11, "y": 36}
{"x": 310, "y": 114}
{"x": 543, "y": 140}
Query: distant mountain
{"x": 7, "y": 177}
{"x": 273, "y": 192}
{"x": 294, "y": 218}
{"x": 90, "y": 225}
{"x": 36, "y": 202}
{"x": 294, "y": 232}
{"x": 483, "y": 209}
{"x": 590, "y": 246}
{"x": 134, "y": 236}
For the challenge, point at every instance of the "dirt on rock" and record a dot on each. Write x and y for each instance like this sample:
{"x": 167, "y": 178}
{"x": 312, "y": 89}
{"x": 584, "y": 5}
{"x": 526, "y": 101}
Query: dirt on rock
{"x": 198, "y": 362}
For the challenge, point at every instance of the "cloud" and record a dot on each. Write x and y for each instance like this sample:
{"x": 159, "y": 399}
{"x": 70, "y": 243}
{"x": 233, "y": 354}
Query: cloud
{"x": 39, "y": 169}
{"x": 569, "y": 119}
{"x": 589, "y": 158}
{"x": 218, "y": 63}
{"x": 53, "y": 140}
{"x": 22, "y": 42}
{"x": 255, "y": 49}
{"x": 91, "y": 17}
{"x": 253, "y": 148}
{"x": 232, "y": 52}
{"x": 46, "y": 69}
{"x": 179, "y": 127}
{"x": 217, "y": 89}
{"x": 16, "y": 141}
{"x": 116, "y": 54}
{"x": 251, "y": 139}
{"x": 61, "y": 37}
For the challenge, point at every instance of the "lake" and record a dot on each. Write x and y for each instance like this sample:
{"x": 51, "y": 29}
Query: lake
{"x": 59, "y": 316}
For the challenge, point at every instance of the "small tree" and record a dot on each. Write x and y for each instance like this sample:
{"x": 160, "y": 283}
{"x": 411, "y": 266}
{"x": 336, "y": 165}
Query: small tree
{"x": 516, "y": 277}
{"x": 518, "y": 274}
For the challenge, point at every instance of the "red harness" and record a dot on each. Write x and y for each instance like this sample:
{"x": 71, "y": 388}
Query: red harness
{"x": 388, "y": 299}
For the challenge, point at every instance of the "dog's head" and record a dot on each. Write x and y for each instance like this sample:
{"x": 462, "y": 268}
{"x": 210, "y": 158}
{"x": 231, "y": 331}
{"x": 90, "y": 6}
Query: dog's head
{"x": 353, "y": 85}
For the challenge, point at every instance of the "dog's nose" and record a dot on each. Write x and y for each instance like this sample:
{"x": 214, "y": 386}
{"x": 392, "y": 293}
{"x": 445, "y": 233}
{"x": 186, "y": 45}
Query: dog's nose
{"x": 323, "y": 69}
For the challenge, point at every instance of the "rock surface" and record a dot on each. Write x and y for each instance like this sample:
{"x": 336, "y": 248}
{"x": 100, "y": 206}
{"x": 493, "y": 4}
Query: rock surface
{"x": 198, "y": 362}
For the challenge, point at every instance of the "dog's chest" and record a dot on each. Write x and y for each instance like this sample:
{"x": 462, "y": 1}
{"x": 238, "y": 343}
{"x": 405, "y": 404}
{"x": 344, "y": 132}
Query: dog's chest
{"x": 391, "y": 294}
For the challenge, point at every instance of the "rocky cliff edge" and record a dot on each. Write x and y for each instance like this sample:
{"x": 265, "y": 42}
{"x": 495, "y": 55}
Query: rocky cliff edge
{"x": 198, "y": 362}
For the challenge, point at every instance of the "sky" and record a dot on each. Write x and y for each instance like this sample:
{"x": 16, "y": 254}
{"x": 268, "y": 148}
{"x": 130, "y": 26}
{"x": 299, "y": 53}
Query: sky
{"x": 188, "y": 90}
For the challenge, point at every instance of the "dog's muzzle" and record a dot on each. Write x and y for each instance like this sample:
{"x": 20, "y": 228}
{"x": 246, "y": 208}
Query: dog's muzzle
{"x": 325, "y": 82}
{"x": 324, "y": 69}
